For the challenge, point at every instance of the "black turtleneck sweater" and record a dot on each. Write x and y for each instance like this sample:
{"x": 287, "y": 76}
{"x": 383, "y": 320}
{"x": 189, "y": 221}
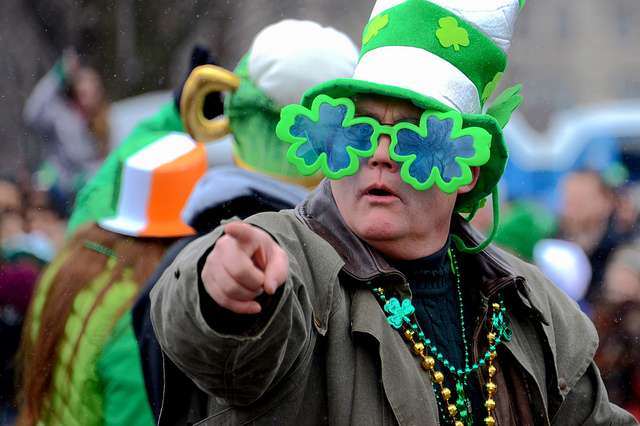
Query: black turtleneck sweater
{"x": 435, "y": 298}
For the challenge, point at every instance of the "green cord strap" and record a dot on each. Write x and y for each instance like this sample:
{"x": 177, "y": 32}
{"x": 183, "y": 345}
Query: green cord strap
{"x": 100, "y": 249}
{"x": 460, "y": 245}
{"x": 474, "y": 210}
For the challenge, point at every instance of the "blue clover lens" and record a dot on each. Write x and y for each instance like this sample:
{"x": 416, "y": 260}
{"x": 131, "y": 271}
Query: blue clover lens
{"x": 330, "y": 137}
{"x": 437, "y": 150}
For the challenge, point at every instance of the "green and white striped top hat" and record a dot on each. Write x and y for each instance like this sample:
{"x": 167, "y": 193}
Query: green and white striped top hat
{"x": 442, "y": 55}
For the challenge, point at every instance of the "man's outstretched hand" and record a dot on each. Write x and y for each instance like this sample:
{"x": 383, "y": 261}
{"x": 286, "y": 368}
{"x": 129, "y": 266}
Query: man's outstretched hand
{"x": 244, "y": 263}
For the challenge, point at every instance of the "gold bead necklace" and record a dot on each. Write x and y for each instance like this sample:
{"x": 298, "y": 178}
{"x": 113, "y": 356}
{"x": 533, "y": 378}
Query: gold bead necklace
{"x": 399, "y": 316}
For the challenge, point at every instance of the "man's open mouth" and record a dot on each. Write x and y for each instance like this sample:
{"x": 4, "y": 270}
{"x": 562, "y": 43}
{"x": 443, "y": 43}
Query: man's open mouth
{"x": 379, "y": 192}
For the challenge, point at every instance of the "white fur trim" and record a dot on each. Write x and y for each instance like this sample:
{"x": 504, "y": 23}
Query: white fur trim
{"x": 493, "y": 18}
{"x": 289, "y": 57}
{"x": 421, "y": 71}
{"x": 382, "y": 5}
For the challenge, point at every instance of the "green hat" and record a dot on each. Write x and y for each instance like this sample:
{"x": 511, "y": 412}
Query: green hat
{"x": 442, "y": 55}
{"x": 285, "y": 59}
{"x": 524, "y": 223}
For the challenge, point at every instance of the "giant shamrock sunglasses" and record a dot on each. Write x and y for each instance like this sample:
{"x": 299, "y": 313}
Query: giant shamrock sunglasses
{"x": 437, "y": 149}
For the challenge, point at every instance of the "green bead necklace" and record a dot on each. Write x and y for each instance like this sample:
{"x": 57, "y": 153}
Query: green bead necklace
{"x": 399, "y": 317}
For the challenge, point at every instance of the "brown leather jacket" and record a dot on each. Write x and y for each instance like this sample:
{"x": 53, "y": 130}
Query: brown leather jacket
{"x": 323, "y": 352}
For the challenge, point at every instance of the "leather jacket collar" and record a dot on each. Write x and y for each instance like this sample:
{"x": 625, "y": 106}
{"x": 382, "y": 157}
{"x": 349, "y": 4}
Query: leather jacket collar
{"x": 320, "y": 213}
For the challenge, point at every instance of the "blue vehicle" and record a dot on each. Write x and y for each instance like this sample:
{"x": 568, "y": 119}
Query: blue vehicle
{"x": 601, "y": 138}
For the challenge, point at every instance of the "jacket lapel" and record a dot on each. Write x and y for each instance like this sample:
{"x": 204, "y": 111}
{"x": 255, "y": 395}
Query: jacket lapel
{"x": 406, "y": 385}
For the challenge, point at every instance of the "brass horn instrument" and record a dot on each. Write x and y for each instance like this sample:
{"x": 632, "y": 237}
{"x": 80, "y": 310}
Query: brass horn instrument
{"x": 202, "y": 81}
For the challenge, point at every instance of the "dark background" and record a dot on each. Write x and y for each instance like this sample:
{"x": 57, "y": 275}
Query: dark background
{"x": 138, "y": 45}
{"x": 566, "y": 53}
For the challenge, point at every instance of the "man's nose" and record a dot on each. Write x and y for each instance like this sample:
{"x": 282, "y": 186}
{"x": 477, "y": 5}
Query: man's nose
{"x": 381, "y": 156}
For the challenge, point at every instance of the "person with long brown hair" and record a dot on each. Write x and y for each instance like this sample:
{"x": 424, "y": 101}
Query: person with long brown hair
{"x": 69, "y": 109}
{"x": 77, "y": 366}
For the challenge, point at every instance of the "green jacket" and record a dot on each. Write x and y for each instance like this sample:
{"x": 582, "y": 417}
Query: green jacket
{"x": 323, "y": 352}
{"x": 102, "y": 384}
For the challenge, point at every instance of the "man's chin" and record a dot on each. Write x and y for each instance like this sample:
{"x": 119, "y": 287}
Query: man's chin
{"x": 379, "y": 233}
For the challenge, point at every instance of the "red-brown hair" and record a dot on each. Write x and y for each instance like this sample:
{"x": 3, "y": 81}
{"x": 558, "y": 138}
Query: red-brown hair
{"x": 37, "y": 357}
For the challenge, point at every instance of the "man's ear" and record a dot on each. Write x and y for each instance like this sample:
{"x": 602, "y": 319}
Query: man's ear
{"x": 475, "y": 172}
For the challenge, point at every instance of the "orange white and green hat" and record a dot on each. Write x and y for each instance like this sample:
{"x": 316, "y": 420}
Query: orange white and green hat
{"x": 155, "y": 183}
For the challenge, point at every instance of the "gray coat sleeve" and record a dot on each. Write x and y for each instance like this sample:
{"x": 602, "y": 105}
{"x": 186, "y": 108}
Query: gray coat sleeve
{"x": 237, "y": 368}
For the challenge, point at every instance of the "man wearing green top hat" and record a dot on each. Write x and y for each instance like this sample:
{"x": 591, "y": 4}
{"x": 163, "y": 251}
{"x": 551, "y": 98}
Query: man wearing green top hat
{"x": 375, "y": 301}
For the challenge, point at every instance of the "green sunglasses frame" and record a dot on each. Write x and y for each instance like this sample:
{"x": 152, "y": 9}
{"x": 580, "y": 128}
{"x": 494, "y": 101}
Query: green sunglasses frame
{"x": 481, "y": 143}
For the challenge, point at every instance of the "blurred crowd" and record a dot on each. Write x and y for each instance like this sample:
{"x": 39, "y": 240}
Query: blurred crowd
{"x": 87, "y": 234}
{"x": 590, "y": 247}
{"x": 75, "y": 261}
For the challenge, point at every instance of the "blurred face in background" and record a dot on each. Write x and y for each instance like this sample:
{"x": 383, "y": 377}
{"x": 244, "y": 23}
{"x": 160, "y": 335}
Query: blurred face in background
{"x": 621, "y": 284}
{"x": 88, "y": 91}
{"x": 586, "y": 203}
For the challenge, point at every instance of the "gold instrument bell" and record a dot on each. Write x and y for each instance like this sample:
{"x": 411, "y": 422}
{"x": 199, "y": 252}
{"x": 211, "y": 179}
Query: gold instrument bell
{"x": 202, "y": 81}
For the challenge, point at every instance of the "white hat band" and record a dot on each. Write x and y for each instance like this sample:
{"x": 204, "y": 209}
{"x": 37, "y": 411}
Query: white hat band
{"x": 422, "y": 72}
